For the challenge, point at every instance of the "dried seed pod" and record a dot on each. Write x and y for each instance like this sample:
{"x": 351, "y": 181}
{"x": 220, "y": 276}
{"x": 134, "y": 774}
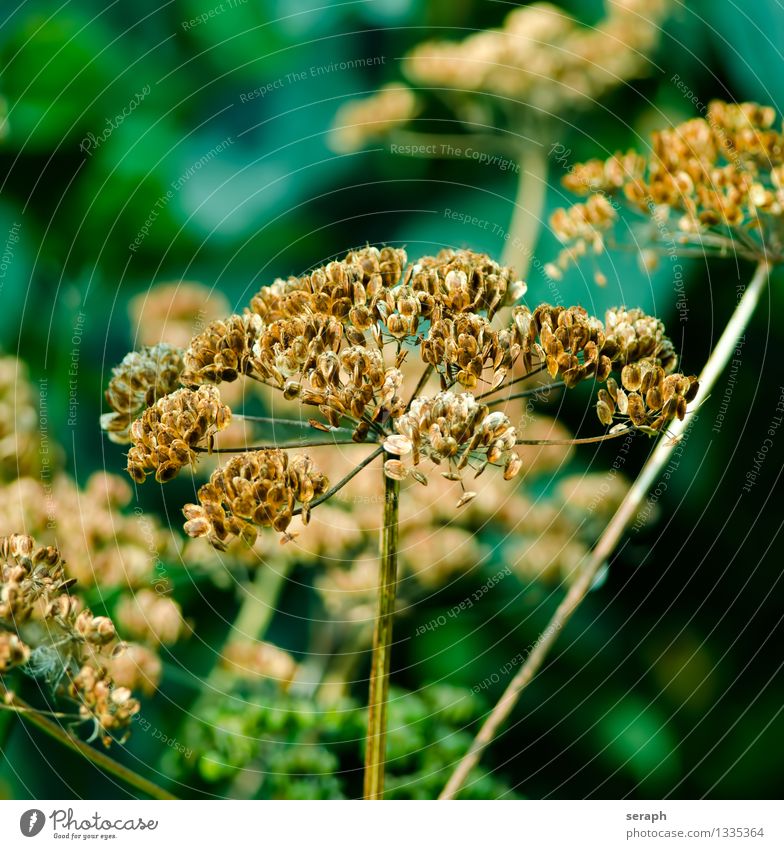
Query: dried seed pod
{"x": 167, "y": 435}
{"x": 138, "y": 382}
{"x": 260, "y": 488}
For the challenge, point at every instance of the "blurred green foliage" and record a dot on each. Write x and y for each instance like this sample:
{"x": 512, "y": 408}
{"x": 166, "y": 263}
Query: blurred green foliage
{"x": 665, "y": 682}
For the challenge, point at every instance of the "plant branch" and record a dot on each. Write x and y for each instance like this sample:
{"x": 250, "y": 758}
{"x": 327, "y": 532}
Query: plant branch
{"x": 528, "y": 392}
{"x": 272, "y": 420}
{"x": 375, "y": 752}
{"x": 300, "y": 443}
{"x": 586, "y": 440}
{"x": 101, "y": 760}
{"x": 538, "y": 370}
{"x": 717, "y": 362}
{"x": 420, "y": 385}
{"x": 343, "y": 481}
{"x": 528, "y": 208}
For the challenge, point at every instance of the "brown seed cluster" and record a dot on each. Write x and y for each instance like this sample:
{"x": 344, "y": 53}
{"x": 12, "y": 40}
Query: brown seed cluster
{"x": 223, "y": 351}
{"x": 573, "y": 344}
{"x": 261, "y": 488}
{"x": 30, "y": 575}
{"x": 632, "y": 337}
{"x": 647, "y": 397}
{"x": 456, "y": 428}
{"x": 715, "y": 182}
{"x": 111, "y": 708}
{"x": 137, "y": 383}
{"x": 168, "y": 434}
{"x": 46, "y": 629}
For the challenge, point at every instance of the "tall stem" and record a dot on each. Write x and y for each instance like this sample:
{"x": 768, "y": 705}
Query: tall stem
{"x": 528, "y": 208}
{"x": 375, "y": 755}
{"x": 715, "y": 365}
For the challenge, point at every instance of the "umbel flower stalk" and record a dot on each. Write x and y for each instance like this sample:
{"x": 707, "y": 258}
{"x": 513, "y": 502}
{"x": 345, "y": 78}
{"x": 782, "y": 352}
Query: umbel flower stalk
{"x": 609, "y": 540}
{"x": 713, "y": 186}
{"x": 345, "y": 342}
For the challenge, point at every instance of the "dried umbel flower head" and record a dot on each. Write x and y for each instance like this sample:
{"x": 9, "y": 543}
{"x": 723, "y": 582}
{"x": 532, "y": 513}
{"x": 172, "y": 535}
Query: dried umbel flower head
{"x": 647, "y": 398}
{"x": 261, "y": 488}
{"x": 361, "y": 121}
{"x": 48, "y": 633}
{"x": 346, "y": 338}
{"x": 137, "y": 383}
{"x": 169, "y": 434}
{"x": 30, "y": 575}
{"x": 112, "y": 708}
{"x": 222, "y": 351}
{"x": 455, "y": 428}
{"x": 712, "y": 184}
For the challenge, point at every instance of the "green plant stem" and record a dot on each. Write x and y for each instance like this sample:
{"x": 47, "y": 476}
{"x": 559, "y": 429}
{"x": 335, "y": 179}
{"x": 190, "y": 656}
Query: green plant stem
{"x": 375, "y": 754}
{"x": 608, "y": 542}
{"x": 528, "y": 208}
{"x": 101, "y": 760}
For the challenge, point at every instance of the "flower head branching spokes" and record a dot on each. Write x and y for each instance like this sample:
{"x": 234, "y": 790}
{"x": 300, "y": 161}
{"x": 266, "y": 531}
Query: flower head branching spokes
{"x": 346, "y": 339}
{"x": 712, "y": 185}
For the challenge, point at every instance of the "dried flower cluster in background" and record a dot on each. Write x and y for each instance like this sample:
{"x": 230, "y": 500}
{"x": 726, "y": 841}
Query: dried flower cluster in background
{"x": 20, "y": 436}
{"x": 47, "y": 631}
{"x": 540, "y": 57}
{"x": 103, "y": 546}
{"x": 714, "y": 184}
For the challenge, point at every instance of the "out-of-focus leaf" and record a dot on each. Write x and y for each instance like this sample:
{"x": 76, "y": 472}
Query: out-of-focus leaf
{"x": 56, "y": 76}
{"x": 635, "y": 738}
{"x": 749, "y": 37}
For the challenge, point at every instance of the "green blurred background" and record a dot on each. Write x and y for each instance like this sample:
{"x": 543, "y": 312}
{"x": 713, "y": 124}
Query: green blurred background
{"x": 667, "y": 682}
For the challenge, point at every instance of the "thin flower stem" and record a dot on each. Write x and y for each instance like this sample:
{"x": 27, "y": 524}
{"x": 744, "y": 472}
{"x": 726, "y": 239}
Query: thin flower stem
{"x": 375, "y": 752}
{"x": 299, "y": 443}
{"x": 604, "y": 548}
{"x": 420, "y": 385}
{"x": 586, "y": 440}
{"x": 528, "y": 208}
{"x": 101, "y": 760}
{"x": 528, "y": 392}
{"x": 343, "y": 481}
{"x": 284, "y": 422}
{"x": 538, "y": 370}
